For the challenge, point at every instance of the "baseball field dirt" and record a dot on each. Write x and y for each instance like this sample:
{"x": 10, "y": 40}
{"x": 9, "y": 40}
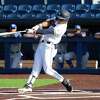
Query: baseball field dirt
{"x": 85, "y": 87}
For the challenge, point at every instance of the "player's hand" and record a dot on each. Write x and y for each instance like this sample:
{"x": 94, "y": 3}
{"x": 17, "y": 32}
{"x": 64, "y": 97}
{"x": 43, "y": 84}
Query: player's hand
{"x": 30, "y": 31}
{"x": 45, "y": 24}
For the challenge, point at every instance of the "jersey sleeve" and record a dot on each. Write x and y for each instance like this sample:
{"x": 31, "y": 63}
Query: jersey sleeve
{"x": 49, "y": 30}
{"x": 17, "y": 34}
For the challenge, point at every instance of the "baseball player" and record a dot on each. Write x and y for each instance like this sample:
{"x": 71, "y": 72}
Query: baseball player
{"x": 72, "y": 52}
{"x": 59, "y": 58}
{"x": 15, "y": 49}
{"x": 47, "y": 50}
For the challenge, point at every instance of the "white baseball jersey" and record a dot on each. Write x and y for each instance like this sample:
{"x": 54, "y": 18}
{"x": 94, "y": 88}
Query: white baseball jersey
{"x": 53, "y": 34}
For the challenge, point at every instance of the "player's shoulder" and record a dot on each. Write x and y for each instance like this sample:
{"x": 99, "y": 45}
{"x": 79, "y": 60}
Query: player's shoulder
{"x": 18, "y": 34}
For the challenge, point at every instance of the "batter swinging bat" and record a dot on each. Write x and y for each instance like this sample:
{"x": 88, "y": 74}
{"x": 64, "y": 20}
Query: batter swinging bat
{"x": 8, "y": 33}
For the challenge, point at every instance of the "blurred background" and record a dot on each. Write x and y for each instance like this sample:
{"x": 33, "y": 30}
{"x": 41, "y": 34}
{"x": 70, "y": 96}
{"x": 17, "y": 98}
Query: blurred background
{"x": 79, "y": 50}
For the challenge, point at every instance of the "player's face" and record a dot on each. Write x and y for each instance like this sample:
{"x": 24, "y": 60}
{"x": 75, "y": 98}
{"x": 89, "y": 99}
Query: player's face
{"x": 78, "y": 31}
{"x": 13, "y": 30}
{"x": 60, "y": 21}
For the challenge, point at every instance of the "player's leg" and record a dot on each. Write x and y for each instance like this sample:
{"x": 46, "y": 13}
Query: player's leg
{"x": 84, "y": 60}
{"x": 20, "y": 64}
{"x": 68, "y": 58}
{"x": 11, "y": 60}
{"x": 47, "y": 65}
{"x": 59, "y": 61}
{"x": 37, "y": 66}
{"x": 16, "y": 60}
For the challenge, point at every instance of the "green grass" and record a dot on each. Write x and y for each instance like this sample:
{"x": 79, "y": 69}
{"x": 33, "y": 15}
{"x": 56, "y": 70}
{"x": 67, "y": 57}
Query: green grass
{"x": 17, "y": 83}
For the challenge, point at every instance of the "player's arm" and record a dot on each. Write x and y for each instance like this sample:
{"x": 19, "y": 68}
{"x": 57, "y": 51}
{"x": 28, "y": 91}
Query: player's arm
{"x": 42, "y": 25}
{"x": 39, "y": 29}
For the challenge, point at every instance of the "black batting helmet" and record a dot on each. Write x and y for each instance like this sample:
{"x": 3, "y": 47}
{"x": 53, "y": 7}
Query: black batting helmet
{"x": 63, "y": 14}
{"x": 13, "y": 26}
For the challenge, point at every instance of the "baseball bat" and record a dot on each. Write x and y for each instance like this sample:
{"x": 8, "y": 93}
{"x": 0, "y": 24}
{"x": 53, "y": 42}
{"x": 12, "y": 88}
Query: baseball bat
{"x": 9, "y": 33}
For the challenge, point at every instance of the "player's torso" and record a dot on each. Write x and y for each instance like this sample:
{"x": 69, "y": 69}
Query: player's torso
{"x": 14, "y": 48}
{"x": 55, "y": 38}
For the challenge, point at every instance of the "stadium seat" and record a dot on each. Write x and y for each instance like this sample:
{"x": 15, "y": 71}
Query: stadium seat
{"x": 19, "y": 2}
{"x": 8, "y": 9}
{"x": 88, "y": 15}
{"x": 95, "y": 8}
{"x": 26, "y": 16}
{"x": 98, "y": 16}
{"x": 70, "y": 2}
{"x": 53, "y": 15}
{"x": 69, "y": 7}
{"x": 12, "y": 17}
{"x": 1, "y": 8}
{"x": 75, "y": 15}
{"x": 88, "y": 2}
{"x": 11, "y": 2}
{"x": 53, "y": 8}
{"x": 36, "y": 2}
{"x": 39, "y": 8}
{"x": 53, "y": 1}
{"x": 22, "y": 9}
{"x": 1, "y": 12}
{"x": 33, "y": 16}
{"x": 41, "y": 16}
{"x": 82, "y": 8}
{"x": 2, "y": 16}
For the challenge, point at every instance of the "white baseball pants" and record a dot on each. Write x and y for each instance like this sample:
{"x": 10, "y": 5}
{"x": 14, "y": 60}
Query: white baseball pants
{"x": 44, "y": 58}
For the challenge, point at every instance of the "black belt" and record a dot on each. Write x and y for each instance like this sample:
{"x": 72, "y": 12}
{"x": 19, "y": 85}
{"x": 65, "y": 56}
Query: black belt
{"x": 48, "y": 42}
